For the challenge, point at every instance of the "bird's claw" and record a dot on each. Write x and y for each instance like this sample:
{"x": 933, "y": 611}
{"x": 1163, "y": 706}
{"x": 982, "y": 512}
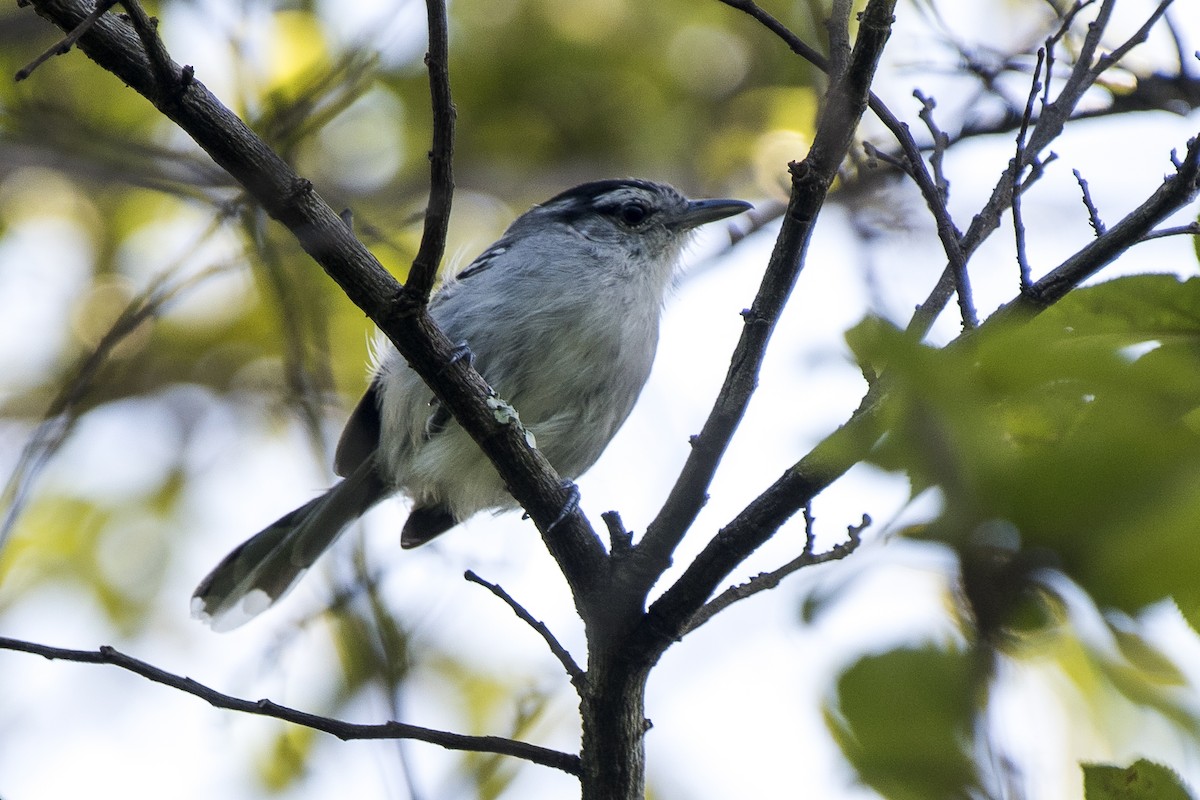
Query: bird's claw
{"x": 569, "y": 508}
{"x": 461, "y": 350}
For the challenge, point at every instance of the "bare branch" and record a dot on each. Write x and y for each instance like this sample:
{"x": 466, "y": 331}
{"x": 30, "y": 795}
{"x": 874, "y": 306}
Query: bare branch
{"x": 847, "y": 99}
{"x": 758, "y": 522}
{"x": 833, "y": 456}
{"x": 1191, "y": 229}
{"x": 962, "y": 281}
{"x": 837, "y": 26}
{"x": 1048, "y": 126}
{"x": 797, "y": 45}
{"x": 1139, "y": 37}
{"x": 620, "y": 538}
{"x": 940, "y": 142}
{"x": 441, "y": 158}
{"x": 292, "y": 200}
{"x": 63, "y": 45}
{"x": 769, "y": 580}
{"x": 1035, "y": 86}
{"x": 895, "y": 162}
{"x": 1093, "y": 213}
{"x": 578, "y": 676}
{"x": 948, "y": 232}
{"x": 1175, "y": 192}
{"x": 343, "y": 730}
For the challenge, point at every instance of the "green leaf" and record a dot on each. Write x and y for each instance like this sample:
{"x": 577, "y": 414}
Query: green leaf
{"x": 904, "y": 721}
{"x": 286, "y": 760}
{"x": 1078, "y": 430}
{"x": 1143, "y": 780}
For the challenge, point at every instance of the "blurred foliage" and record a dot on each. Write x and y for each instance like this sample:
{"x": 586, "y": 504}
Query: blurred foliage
{"x": 1063, "y": 449}
{"x": 1069, "y": 442}
{"x": 931, "y": 694}
{"x": 1143, "y": 780}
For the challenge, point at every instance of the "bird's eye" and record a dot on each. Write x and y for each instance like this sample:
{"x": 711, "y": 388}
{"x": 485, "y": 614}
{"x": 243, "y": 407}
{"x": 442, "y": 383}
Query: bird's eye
{"x": 633, "y": 213}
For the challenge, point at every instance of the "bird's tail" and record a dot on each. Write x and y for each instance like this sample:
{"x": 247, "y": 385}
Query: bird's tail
{"x": 264, "y": 567}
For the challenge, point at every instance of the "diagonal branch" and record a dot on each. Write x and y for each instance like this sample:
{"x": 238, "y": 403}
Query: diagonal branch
{"x": 846, "y": 101}
{"x": 64, "y": 45}
{"x": 343, "y": 730}
{"x": 769, "y": 580}
{"x": 578, "y": 676}
{"x": 1049, "y": 125}
{"x": 668, "y": 616}
{"x": 948, "y": 233}
{"x": 292, "y": 200}
{"x": 1175, "y": 192}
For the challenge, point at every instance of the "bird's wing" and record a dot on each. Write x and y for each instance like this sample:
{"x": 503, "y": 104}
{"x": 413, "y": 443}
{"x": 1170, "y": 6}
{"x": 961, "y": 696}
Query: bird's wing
{"x": 360, "y": 438}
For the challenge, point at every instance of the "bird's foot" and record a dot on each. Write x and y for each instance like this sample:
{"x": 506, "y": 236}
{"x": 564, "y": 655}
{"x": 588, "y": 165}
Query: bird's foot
{"x": 569, "y": 508}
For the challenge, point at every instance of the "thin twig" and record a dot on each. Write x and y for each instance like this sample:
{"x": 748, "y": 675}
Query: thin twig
{"x": 64, "y": 44}
{"x": 441, "y": 159}
{"x": 1139, "y": 37}
{"x": 578, "y": 676}
{"x": 343, "y": 730}
{"x": 810, "y": 528}
{"x": 769, "y": 580}
{"x": 1191, "y": 229}
{"x": 1035, "y": 86}
{"x": 940, "y": 142}
{"x": 1064, "y": 27}
{"x": 895, "y": 162}
{"x": 1093, "y": 213}
{"x": 962, "y": 280}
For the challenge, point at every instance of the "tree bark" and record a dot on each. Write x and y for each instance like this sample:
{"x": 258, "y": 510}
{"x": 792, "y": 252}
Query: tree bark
{"x": 614, "y": 729}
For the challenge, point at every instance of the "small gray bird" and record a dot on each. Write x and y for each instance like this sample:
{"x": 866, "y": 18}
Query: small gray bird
{"x": 561, "y": 317}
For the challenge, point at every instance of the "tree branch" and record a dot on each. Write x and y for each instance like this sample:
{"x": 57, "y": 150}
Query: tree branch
{"x": 578, "y": 676}
{"x": 441, "y": 159}
{"x": 1047, "y": 128}
{"x": 948, "y": 233}
{"x": 1175, "y": 192}
{"x": 63, "y": 45}
{"x": 769, "y": 580}
{"x": 292, "y": 200}
{"x": 343, "y": 730}
{"x": 1035, "y": 86}
{"x": 668, "y": 616}
{"x": 846, "y": 101}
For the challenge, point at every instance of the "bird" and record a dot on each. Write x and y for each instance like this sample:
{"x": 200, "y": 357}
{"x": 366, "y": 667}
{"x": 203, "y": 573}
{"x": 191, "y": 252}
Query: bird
{"x": 561, "y": 317}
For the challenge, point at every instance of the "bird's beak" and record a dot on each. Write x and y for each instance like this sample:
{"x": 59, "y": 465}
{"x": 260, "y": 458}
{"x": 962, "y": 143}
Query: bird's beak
{"x": 701, "y": 211}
